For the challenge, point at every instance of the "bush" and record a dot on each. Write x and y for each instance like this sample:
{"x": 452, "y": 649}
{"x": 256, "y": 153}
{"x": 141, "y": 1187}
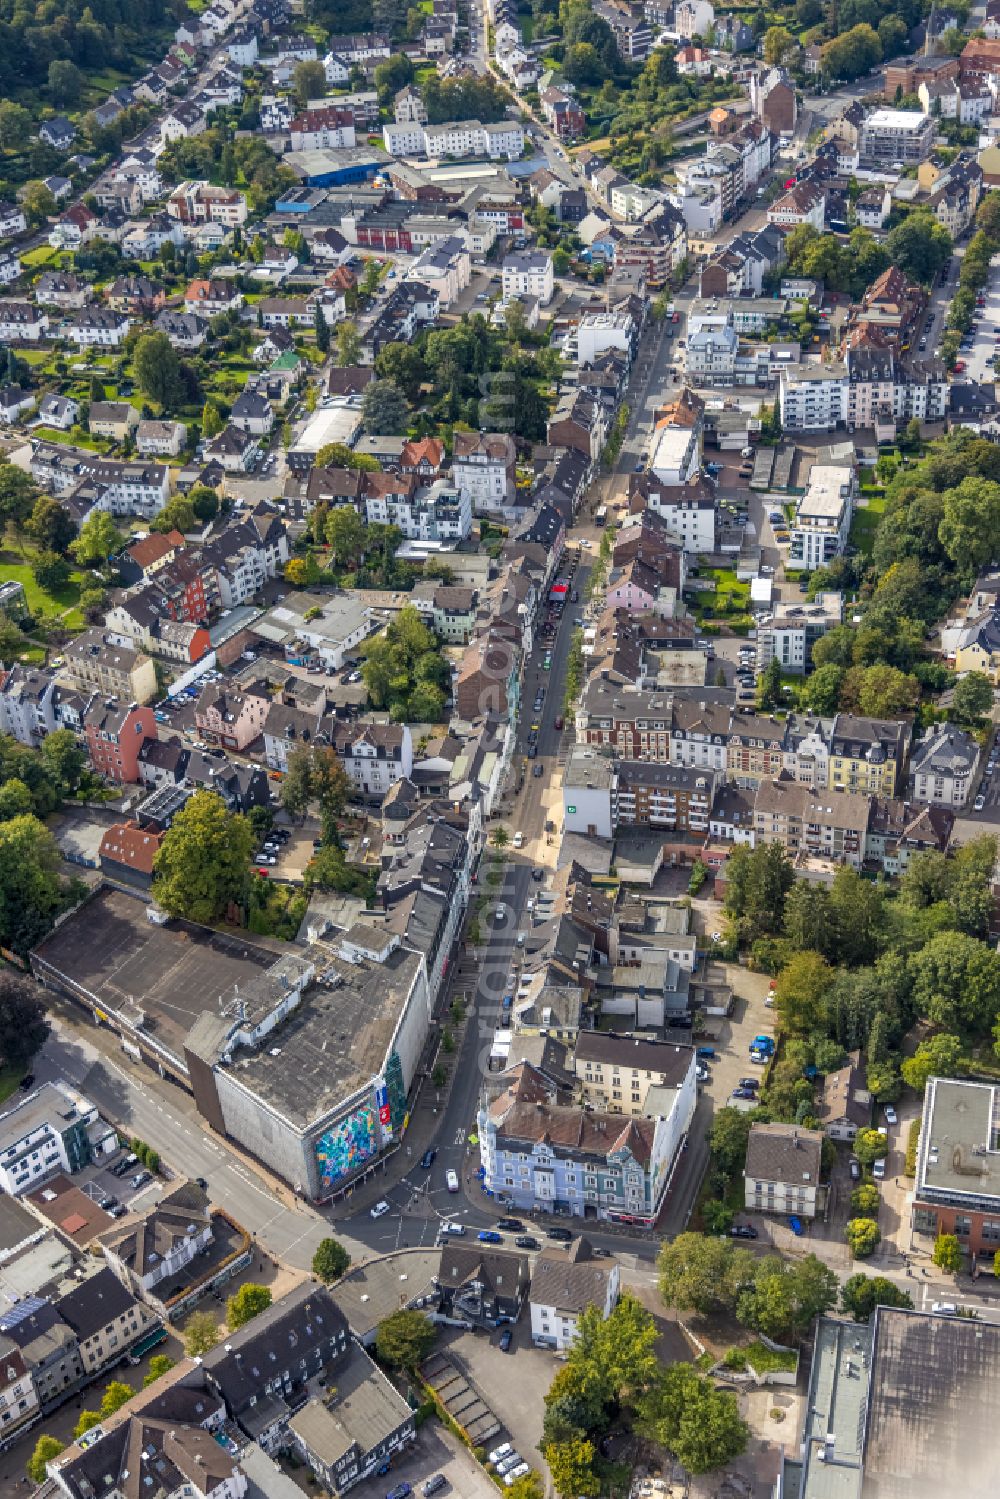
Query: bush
{"x": 862, "y": 1235}
{"x": 865, "y": 1200}
{"x": 912, "y": 1146}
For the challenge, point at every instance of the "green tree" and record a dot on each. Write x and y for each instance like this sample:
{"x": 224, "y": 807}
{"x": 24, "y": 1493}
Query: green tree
{"x": 862, "y": 1235}
{"x": 696, "y": 1273}
{"x": 322, "y": 328}
{"x": 861, "y": 1294}
{"x": 309, "y": 82}
{"x": 973, "y": 697}
{"x": 330, "y": 1261}
{"x": 778, "y": 40}
{"x": 159, "y": 1365}
{"x": 23, "y": 1026}
{"x": 98, "y": 541}
{"x": 684, "y": 1412}
{"x": 65, "y": 83}
{"x": 821, "y": 691}
{"x": 86, "y": 1422}
{"x": 31, "y": 892}
{"x": 204, "y": 502}
{"x": 384, "y": 408}
{"x": 528, "y": 1486}
{"x": 116, "y": 1394}
{"x": 348, "y": 345}
{"x": 870, "y": 1145}
{"x": 919, "y": 245}
{"x": 865, "y": 1200}
{"x": 956, "y": 982}
{"x": 51, "y": 525}
{"x": 404, "y": 1339}
{"x": 157, "y": 368}
{"x": 757, "y": 882}
{"x": 203, "y": 862}
{"x": 246, "y": 1303}
{"x": 345, "y": 531}
{"x": 728, "y": 1138}
{"x": 50, "y": 571}
{"x": 37, "y": 202}
{"x": 46, "y": 1448}
{"x": 938, "y": 1056}
{"x": 855, "y": 52}
{"x": 18, "y": 493}
{"x": 571, "y": 1464}
{"x": 176, "y": 515}
{"x": 15, "y": 127}
{"x": 212, "y": 422}
{"x": 801, "y": 991}
{"x": 201, "y": 1334}
{"x": 784, "y": 1298}
{"x": 947, "y": 1253}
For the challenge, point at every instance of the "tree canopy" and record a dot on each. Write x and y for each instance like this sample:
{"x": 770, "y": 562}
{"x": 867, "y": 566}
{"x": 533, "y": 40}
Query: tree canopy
{"x": 203, "y": 862}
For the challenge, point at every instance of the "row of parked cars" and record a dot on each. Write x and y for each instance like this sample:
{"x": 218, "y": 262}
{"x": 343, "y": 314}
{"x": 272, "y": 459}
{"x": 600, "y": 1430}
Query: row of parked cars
{"x": 508, "y": 1464}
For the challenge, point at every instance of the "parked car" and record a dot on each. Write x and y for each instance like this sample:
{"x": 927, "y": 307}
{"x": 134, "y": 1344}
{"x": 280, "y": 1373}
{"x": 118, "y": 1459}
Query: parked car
{"x": 707, "y": 1052}
{"x": 401, "y": 1491}
{"x": 795, "y": 1224}
{"x": 489, "y": 1236}
{"x": 515, "y": 1473}
{"x": 381, "y": 1208}
{"x": 561, "y": 1235}
{"x": 744, "y": 1093}
{"x": 433, "y": 1485}
{"x": 526, "y": 1241}
{"x": 750, "y": 1082}
{"x": 743, "y": 1231}
{"x": 878, "y": 1170}
{"x": 506, "y": 1338}
{"x": 28, "y": 1081}
{"x": 945, "y": 1308}
{"x": 890, "y": 1114}
{"x": 510, "y": 1225}
{"x": 499, "y": 1453}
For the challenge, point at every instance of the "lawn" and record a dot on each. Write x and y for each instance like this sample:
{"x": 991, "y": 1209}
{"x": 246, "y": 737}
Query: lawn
{"x": 865, "y": 524}
{"x": 42, "y": 255}
{"x": 61, "y": 606}
{"x": 9, "y": 1079}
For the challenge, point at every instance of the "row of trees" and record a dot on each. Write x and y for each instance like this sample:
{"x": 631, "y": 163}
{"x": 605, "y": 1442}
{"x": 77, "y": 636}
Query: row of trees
{"x": 918, "y": 244}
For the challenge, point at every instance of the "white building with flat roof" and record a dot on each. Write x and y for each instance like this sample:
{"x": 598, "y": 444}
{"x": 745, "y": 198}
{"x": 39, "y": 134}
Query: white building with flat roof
{"x": 823, "y": 516}
{"x": 891, "y": 135}
{"x": 675, "y": 458}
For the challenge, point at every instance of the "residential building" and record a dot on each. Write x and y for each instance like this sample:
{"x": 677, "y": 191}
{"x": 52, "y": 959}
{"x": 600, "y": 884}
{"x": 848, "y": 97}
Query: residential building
{"x": 159, "y": 439}
{"x": 788, "y": 634}
{"x": 484, "y": 467}
{"x": 115, "y": 419}
{"x": 357, "y": 1426}
{"x": 772, "y": 98}
{"x": 375, "y": 756}
{"x": 943, "y": 766}
{"x": 481, "y": 1285}
{"x": 810, "y": 823}
{"x": 559, "y": 1158}
{"x": 231, "y": 718}
{"x": 128, "y": 851}
{"x": 845, "y": 1104}
{"x": 823, "y": 516}
{"x": 52, "y": 1129}
{"x": 869, "y": 755}
{"x": 106, "y": 1320}
{"x": 93, "y": 661}
{"x": 783, "y": 1170}
{"x": 896, "y": 135}
{"x": 528, "y": 273}
{"x": 94, "y": 328}
{"x": 632, "y": 1075}
{"x": 565, "y": 1281}
{"x": 115, "y": 732}
{"x": 202, "y": 202}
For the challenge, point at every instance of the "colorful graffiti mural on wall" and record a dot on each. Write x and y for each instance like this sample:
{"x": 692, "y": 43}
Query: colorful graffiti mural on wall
{"x": 347, "y": 1146}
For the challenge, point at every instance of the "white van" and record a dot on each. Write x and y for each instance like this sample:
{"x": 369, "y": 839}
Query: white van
{"x": 451, "y": 1181}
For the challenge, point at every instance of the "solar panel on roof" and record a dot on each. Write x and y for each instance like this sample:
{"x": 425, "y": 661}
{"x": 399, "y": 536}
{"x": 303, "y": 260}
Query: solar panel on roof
{"x": 27, "y": 1308}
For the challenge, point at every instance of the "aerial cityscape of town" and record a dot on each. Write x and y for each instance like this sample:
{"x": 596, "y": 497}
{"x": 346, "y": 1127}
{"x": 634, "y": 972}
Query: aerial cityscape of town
{"x": 499, "y": 760}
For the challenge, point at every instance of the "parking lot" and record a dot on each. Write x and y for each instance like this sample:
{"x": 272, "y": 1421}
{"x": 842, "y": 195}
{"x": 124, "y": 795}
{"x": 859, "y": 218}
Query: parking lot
{"x": 982, "y": 343}
{"x": 435, "y": 1450}
{"x": 515, "y": 1383}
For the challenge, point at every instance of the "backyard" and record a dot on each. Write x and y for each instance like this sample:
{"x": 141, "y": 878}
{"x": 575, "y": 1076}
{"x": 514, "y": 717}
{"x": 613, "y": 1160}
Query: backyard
{"x": 59, "y": 606}
{"x": 866, "y": 519}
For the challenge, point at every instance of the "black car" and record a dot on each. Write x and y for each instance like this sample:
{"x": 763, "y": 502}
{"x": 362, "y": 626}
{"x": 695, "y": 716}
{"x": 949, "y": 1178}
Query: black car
{"x": 200, "y": 1181}
{"x": 108, "y": 1202}
{"x": 428, "y": 1158}
{"x": 27, "y": 1082}
{"x": 510, "y": 1225}
{"x": 561, "y": 1235}
{"x": 752, "y": 1083}
{"x": 525, "y": 1241}
{"x": 537, "y": 875}
{"x": 743, "y": 1231}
